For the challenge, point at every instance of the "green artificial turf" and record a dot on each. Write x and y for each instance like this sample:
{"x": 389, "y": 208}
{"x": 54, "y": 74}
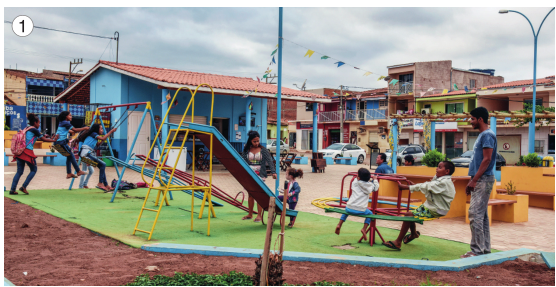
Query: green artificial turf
{"x": 312, "y": 233}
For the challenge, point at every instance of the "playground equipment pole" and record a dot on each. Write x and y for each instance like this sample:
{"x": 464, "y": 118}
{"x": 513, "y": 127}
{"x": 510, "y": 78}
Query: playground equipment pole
{"x": 535, "y": 37}
{"x": 315, "y": 131}
{"x": 433, "y": 135}
{"x": 493, "y": 128}
{"x": 279, "y": 105}
{"x": 164, "y": 122}
{"x": 341, "y": 115}
{"x": 394, "y": 157}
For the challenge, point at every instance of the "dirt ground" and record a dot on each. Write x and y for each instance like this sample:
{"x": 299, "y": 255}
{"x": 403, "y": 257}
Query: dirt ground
{"x": 55, "y": 252}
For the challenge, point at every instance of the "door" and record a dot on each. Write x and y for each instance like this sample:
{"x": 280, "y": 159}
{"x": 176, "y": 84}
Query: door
{"x": 143, "y": 143}
{"x": 510, "y": 148}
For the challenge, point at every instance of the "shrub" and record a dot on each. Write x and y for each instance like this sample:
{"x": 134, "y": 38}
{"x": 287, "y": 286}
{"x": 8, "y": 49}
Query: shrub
{"x": 520, "y": 162}
{"x": 192, "y": 279}
{"x": 532, "y": 160}
{"x": 511, "y": 188}
{"x": 432, "y": 158}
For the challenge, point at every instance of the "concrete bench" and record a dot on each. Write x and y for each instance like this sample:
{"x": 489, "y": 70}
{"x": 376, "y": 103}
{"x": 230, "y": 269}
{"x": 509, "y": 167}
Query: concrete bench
{"x": 536, "y": 198}
{"x": 8, "y": 156}
{"x": 493, "y": 203}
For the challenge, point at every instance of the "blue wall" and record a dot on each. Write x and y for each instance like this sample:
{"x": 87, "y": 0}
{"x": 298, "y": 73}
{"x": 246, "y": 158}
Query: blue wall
{"x": 372, "y": 105}
{"x": 16, "y": 113}
{"x": 114, "y": 88}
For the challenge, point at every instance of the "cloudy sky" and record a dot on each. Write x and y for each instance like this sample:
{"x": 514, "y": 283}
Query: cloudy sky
{"x": 239, "y": 41}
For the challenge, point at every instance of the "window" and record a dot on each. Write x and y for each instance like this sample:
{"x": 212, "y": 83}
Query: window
{"x": 353, "y": 147}
{"x": 454, "y": 108}
{"x": 409, "y": 150}
{"x": 382, "y": 104}
{"x": 530, "y": 102}
{"x": 472, "y": 84}
{"x": 539, "y": 146}
{"x": 427, "y": 106}
{"x": 362, "y": 105}
{"x": 309, "y": 107}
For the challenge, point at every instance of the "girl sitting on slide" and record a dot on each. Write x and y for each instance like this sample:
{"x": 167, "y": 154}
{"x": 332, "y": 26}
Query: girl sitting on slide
{"x": 89, "y": 142}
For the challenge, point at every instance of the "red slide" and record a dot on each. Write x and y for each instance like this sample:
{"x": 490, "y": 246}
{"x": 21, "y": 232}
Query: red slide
{"x": 186, "y": 177}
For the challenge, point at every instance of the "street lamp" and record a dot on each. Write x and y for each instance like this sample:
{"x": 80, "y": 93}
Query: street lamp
{"x": 535, "y": 35}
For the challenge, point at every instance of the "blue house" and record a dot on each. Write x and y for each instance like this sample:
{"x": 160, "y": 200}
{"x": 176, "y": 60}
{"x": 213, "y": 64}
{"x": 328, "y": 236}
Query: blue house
{"x": 111, "y": 83}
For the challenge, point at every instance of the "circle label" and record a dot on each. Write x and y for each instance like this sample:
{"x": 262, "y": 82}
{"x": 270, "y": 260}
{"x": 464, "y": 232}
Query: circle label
{"x": 22, "y": 26}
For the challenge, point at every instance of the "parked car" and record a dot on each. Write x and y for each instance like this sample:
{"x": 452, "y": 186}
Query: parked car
{"x": 345, "y": 150}
{"x": 415, "y": 150}
{"x": 284, "y": 148}
{"x": 465, "y": 159}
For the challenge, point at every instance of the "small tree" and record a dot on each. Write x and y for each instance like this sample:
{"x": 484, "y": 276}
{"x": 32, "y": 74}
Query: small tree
{"x": 432, "y": 158}
{"x": 532, "y": 160}
{"x": 511, "y": 188}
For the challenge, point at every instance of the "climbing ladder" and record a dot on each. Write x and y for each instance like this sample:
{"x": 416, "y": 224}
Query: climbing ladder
{"x": 161, "y": 168}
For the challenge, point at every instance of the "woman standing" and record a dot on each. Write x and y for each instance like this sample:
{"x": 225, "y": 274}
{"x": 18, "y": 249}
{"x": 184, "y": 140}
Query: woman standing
{"x": 28, "y": 156}
{"x": 258, "y": 158}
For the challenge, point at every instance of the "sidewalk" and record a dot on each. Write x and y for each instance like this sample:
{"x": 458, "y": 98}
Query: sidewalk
{"x": 538, "y": 233}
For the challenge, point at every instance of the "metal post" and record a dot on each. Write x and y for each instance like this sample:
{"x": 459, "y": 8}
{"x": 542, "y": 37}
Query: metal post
{"x": 158, "y": 143}
{"x": 247, "y": 117}
{"x": 279, "y": 106}
{"x": 433, "y": 135}
{"x": 341, "y": 115}
{"x": 117, "y": 44}
{"x": 394, "y": 157}
{"x": 315, "y": 131}
{"x": 164, "y": 124}
{"x": 493, "y": 128}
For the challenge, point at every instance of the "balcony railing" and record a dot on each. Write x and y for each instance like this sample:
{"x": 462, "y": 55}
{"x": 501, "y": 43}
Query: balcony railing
{"x": 40, "y": 98}
{"x": 401, "y": 88}
{"x": 351, "y": 115}
{"x": 329, "y": 117}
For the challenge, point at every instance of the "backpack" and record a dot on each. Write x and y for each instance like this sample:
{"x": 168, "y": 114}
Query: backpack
{"x": 123, "y": 185}
{"x": 19, "y": 141}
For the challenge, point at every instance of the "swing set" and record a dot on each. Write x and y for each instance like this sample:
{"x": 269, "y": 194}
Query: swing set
{"x": 119, "y": 121}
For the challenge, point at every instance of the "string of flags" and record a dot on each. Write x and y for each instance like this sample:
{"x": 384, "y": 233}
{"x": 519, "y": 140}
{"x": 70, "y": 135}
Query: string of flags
{"x": 338, "y": 63}
{"x": 266, "y": 74}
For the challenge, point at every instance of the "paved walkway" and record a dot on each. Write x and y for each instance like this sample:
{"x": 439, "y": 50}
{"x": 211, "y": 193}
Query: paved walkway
{"x": 537, "y": 233}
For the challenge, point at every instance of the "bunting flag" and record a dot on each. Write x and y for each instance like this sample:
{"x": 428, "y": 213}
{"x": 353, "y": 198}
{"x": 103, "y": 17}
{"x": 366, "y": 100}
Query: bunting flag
{"x": 445, "y": 91}
{"x": 251, "y": 105}
{"x": 398, "y": 94}
{"x": 523, "y": 90}
{"x": 430, "y": 89}
{"x": 310, "y": 53}
{"x": 456, "y": 87}
{"x": 505, "y": 89}
{"x": 324, "y": 57}
{"x": 265, "y": 76}
{"x": 274, "y": 52}
{"x": 393, "y": 82}
{"x": 313, "y": 97}
{"x": 258, "y": 80}
{"x": 356, "y": 68}
{"x": 168, "y": 97}
{"x": 347, "y": 94}
{"x": 483, "y": 88}
{"x": 340, "y": 64}
{"x": 494, "y": 91}
{"x": 267, "y": 71}
{"x": 422, "y": 93}
{"x": 466, "y": 89}
{"x": 335, "y": 94}
{"x": 380, "y": 78}
{"x": 277, "y": 45}
{"x": 273, "y": 61}
{"x": 507, "y": 120}
{"x": 367, "y": 73}
{"x": 358, "y": 97}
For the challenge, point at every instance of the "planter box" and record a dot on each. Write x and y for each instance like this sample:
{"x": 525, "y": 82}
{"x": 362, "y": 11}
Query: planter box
{"x": 329, "y": 160}
{"x": 517, "y": 212}
{"x": 9, "y": 134}
{"x": 58, "y": 160}
{"x": 301, "y": 160}
{"x": 346, "y": 160}
{"x": 7, "y": 143}
{"x": 529, "y": 178}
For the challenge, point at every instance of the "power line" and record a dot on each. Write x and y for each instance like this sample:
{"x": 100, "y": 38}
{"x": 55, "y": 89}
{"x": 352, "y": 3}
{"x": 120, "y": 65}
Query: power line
{"x": 75, "y": 33}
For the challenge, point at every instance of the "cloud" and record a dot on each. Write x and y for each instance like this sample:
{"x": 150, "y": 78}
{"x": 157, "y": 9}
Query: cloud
{"x": 238, "y": 41}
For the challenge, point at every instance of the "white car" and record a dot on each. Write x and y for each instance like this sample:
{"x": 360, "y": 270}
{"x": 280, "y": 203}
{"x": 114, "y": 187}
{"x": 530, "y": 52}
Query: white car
{"x": 345, "y": 150}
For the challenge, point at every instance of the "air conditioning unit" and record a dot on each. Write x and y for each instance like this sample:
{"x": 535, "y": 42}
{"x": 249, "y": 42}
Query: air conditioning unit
{"x": 425, "y": 111}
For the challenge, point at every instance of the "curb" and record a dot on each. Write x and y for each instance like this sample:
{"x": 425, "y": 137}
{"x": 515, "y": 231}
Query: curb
{"x": 7, "y": 282}
{"x": 452, "y": 265}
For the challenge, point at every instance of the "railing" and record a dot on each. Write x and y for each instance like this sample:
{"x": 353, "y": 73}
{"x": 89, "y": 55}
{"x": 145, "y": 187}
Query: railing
{"x": 329, "y": 117}
{"x": 40, "y": 98}
{"x": 401, "y": 88}
{"x": 372, "y": 114}
{"x": 352, "y": 115}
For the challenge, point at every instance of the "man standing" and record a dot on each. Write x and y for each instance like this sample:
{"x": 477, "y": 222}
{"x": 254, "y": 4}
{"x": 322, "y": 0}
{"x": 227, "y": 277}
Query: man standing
{"x": 383, "y": 167}
{"x": 481, "y": 170}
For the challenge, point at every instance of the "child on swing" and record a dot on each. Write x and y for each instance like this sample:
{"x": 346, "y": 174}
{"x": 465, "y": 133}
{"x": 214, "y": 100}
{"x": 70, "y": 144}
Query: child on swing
{"x": 439, "y": 192}
{"x": 65, "y": 128}
{"x": 359, "y": 199}
{"x": 90, "y": 140}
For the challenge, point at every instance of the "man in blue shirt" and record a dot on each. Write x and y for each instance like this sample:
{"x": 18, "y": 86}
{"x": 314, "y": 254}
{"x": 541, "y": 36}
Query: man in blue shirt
{"x": 481, "y": 170}
{"x": 383, "y": 167}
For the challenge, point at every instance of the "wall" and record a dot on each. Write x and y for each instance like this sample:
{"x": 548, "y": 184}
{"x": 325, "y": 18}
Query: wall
{"x": 302, "y": 114}
{"x": 434, "y": 74}
{"x": 440, "y": 106}
{"x": 541, "y": 134}
{"x": 463, "y": 79}
{"x": 14, "y": 87}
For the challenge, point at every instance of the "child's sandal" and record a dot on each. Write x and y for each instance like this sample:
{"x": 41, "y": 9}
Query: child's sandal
{"x": 13, "y": 192}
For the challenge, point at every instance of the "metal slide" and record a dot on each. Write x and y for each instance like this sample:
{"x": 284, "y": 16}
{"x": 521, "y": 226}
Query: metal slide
{"x": 234, "y": 163}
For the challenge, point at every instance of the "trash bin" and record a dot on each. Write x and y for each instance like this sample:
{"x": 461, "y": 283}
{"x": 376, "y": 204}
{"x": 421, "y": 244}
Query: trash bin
{"x": 108, "y": 162}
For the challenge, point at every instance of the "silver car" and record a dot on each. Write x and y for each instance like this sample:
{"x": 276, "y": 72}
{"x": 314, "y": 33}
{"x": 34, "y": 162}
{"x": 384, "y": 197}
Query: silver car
{"x": 417, "y": 151}
{"x": 271, "y": 146}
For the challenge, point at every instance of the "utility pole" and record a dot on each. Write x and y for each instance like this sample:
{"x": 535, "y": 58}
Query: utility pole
{"x": 75, "y": 62}
{"x": 341, "y": 115}
{"x": 117, "y": 43}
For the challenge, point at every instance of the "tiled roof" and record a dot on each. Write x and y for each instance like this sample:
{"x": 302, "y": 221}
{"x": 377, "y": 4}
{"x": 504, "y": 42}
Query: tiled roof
{"x": 238, "y": 84}
{"x": 454, "y": 93}
{"x": 519, "y": 83}
{"x": 550, "y": 77}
